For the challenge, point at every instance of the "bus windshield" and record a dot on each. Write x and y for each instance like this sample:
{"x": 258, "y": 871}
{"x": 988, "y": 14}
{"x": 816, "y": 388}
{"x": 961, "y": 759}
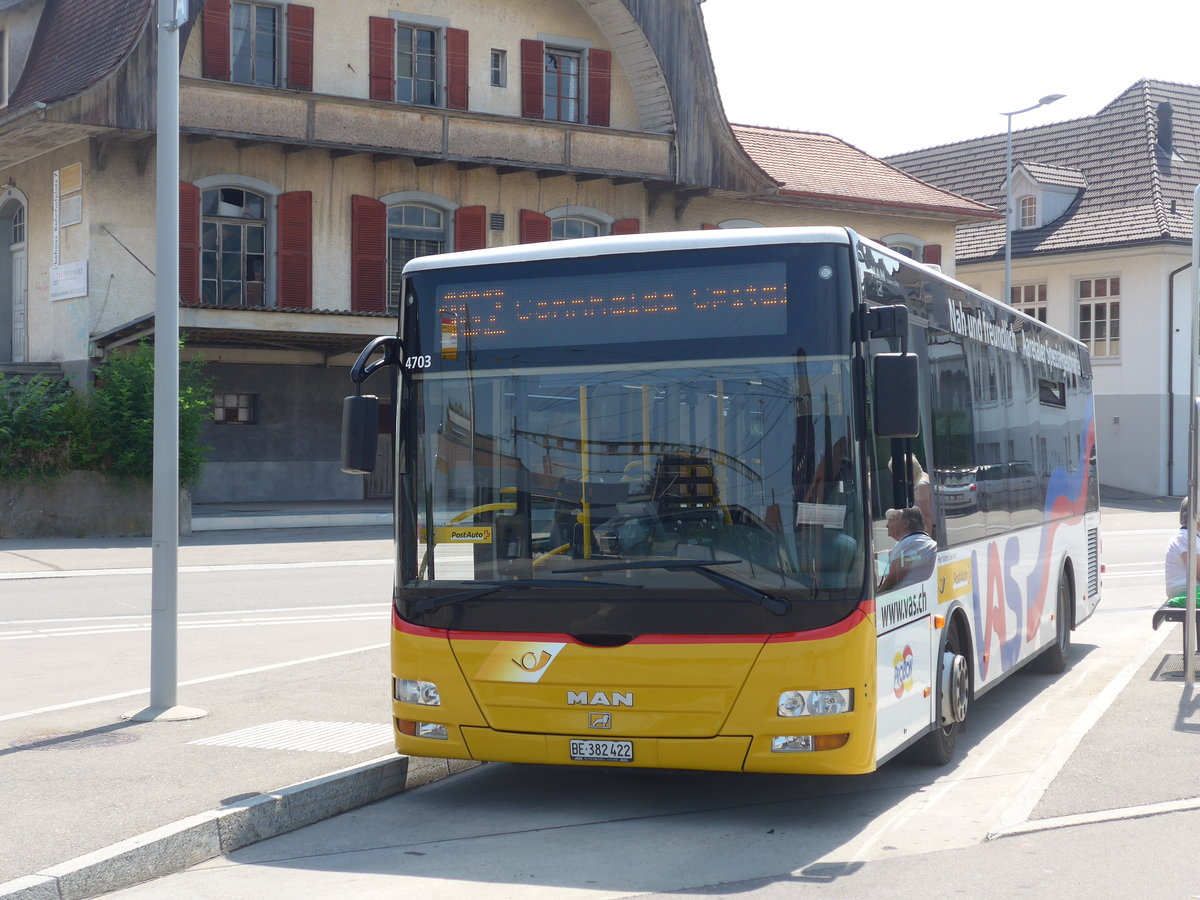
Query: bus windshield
{"x": 597, "y": 449}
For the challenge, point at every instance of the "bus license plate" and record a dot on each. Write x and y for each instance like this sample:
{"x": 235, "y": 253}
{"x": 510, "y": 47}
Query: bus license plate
{"x": 602, "y": 751}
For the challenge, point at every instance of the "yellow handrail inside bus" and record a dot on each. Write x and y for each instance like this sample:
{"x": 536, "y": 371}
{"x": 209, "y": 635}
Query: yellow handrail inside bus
{"x": 487, "y": 507}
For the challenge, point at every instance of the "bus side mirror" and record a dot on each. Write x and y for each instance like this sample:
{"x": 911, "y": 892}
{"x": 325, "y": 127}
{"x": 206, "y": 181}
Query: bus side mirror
{"x": 896, "y": 408}
{"x": 360, "y": 434}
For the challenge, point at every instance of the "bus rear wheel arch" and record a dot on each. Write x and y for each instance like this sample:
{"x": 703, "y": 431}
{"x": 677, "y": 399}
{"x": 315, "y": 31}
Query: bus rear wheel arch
{"x": 1053, "y": 660}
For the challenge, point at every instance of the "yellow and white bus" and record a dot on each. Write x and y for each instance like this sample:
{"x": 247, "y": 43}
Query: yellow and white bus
{"x": 641, "y": 488}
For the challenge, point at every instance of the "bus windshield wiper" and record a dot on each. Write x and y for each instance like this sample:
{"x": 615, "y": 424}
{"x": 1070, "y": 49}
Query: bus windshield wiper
{"x": 429, "y": 604}
{"x": 780, "y": 606}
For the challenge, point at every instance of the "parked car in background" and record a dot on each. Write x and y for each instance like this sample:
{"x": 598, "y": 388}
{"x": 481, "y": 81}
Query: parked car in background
{"x": 1007, "y": 486}
{"x": 956, "y": 490}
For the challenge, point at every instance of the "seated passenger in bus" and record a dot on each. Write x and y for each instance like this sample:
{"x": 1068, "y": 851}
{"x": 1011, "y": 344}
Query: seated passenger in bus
{"x": 1175, "y": 564}
{"x": 915, "y": 552}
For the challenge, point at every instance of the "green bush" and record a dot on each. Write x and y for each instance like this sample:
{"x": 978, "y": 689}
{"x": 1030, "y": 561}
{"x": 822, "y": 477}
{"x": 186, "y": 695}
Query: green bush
{"x": 122, "y": 419}
{"x": 35, "y": 427}
{"x": 46, "y": 428}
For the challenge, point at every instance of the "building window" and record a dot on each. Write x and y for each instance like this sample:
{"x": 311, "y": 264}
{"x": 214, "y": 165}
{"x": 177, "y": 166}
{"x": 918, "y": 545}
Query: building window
{"x": 568, "y": 227}
{"x": 1028, "y": 218}
{"x": 1030, "y": 299}
{"x": 417, "y": 66}
{"x": 1100, "y": 315}
{"x": 905, "y": 244}
{"x": 235, "y": 409}
{"x": 18, "y": 226}
{"x": 413, "y": 229}
{"x": 233, "y": 239}
{"x": 254, "y": 50}
{"x": 563, "y": 80}
{"x": 422, "y": 61}
{"x": 3, "y": 67}
{"x": 499, "y": 68}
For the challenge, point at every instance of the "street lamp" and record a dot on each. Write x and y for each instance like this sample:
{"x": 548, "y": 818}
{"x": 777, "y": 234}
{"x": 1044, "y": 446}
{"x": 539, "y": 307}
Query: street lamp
{"x": 1008, "y": 201}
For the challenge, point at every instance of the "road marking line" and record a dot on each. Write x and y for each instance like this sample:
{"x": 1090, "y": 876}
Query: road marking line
{"x": 121, "y": 696}
{"x": 319, "y": 737}
{"x": 1106, "y": 533}
{"x": 211, "y": 612}
{"x": 241, "y": 567}
{"x": 1094, "y": 818}
{"x": 98, "y": 625}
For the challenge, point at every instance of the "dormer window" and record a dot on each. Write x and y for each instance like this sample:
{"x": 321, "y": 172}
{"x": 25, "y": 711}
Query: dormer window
{"x": 1042, "y": 193}
{"x": 1028, "y": 213}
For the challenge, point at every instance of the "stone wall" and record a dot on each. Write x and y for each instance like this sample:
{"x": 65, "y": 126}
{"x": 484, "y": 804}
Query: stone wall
{"x": 81, "y": 504}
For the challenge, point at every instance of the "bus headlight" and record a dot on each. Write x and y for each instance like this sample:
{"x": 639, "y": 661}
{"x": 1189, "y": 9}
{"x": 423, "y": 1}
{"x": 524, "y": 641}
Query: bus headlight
{"x": 423, "y": 693}
{"x": 815, "y": 703}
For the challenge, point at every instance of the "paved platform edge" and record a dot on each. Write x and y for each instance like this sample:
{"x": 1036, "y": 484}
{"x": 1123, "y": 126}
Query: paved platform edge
{"x": 195, "y": 839}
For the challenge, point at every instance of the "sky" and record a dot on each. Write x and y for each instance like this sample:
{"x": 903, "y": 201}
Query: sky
{"x": 889, "y": 77}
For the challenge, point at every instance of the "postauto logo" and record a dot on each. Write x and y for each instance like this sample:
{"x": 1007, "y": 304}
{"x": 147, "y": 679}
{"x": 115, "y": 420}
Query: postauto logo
{"x": 902, "y": 673}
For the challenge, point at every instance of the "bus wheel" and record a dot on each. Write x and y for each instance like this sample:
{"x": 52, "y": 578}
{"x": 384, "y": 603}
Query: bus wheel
{"x": 953, "y": 700}
{"x": 1053, "y": 660}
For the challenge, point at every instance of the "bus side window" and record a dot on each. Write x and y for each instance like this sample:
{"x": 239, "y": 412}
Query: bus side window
{"x": 954, "y": 467}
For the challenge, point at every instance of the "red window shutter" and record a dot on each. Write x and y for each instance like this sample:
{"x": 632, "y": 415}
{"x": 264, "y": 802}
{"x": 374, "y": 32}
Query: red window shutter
{"x": 534, "y": 227}
{"x": 456, "y": 68}
{"x": 215, "y": 39}
{"x": 368, "y": 254}
{"x": 300, "y": 47}
{"x": 626, "y": 226}
{"x": 533, "y": 67}
{"x": 189, "y": 244}
{"x": 708, "y": 227}
{"x": 295, "y": 250}
{"x": 470, "y": 228}
{"x": 383, "y": 59}
{"x": 932, "y": 254}
{"x": 599, "y": 86}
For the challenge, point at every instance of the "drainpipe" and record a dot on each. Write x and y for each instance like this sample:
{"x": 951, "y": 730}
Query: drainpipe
{"x": 1171, "y": 373}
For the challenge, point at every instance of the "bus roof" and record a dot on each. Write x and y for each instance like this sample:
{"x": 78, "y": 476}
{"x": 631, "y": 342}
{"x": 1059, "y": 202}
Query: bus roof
{"x": 634, "y": 243}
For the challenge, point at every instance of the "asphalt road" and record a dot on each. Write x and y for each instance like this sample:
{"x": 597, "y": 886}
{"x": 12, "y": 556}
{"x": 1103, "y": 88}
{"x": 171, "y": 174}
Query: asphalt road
{"x": 519, "y": 831}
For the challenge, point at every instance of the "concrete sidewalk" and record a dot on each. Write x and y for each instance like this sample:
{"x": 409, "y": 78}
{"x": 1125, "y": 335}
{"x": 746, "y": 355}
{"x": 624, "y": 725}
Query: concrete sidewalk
{"x": 269, "y": 515}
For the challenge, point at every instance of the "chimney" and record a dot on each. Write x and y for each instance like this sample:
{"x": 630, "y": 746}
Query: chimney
{"x": 1166, "y": 138}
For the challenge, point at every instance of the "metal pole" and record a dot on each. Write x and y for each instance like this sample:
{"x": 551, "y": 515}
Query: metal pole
{"x": 164, "y": 579}
{"x": 1007, "y": 296}
{"x": 1008, "y": 210}
{"x": 1189, "y": 612}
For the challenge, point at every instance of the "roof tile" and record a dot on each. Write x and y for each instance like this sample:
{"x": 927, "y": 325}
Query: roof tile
{"x": 1132, "y": 190}
{"x": 809, "y": 164}
{"x": 78, "y": 43}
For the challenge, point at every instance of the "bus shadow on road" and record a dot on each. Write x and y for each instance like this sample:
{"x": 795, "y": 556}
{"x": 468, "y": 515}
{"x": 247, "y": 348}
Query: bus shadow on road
{"x": 637, "y": 830}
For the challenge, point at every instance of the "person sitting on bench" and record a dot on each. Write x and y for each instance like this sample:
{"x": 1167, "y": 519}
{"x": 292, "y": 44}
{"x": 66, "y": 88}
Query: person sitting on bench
{"x": 1175, "y": 564}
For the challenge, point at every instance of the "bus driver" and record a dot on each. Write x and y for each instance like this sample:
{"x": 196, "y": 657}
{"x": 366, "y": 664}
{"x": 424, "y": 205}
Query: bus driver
{"x": 915, "y": 552}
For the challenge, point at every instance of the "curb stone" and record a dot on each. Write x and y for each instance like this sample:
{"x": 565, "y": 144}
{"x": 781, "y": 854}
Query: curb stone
{"x": 197, "y": 838}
